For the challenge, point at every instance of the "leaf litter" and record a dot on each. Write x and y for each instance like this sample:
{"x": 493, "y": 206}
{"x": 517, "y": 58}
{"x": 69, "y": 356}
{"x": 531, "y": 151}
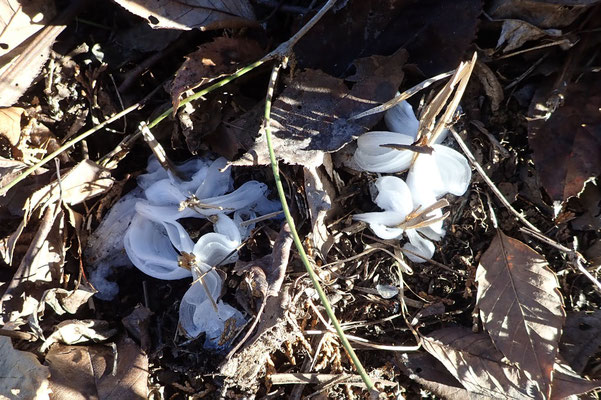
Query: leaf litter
{"x": 523, "y": 286}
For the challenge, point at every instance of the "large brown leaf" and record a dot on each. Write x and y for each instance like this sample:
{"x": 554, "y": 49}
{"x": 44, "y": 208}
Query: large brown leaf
{"x": 190, "y": 14}
{"x": 475, "y": 362}
{"x": 311, "y": 115}
{"x": 567, "y": 145}
{"x": 21, "y": 374}
{"x": 521, "y": 307}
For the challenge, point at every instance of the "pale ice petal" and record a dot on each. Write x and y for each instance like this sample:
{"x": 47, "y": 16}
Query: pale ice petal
{"x": 394, "y": 195}
{"x": 371, "y": 156}
{"x": 214, "y": 248}
{"x": 401, "y": 119}
{"x": 246, "y": 195}
{"x": 423, "y": 197}
{"x": 386, "y": 232}
{"x": 216, "y": 182}
{"x": 149, "y": 249}
{"x": 164, "y": 192}
{"x": 389, "y": 218}
{"x": 228, "y": 227}
{"x": 454, "y": 170}
{"x": 167, "y": 216}
{"x": 418, "y": 245}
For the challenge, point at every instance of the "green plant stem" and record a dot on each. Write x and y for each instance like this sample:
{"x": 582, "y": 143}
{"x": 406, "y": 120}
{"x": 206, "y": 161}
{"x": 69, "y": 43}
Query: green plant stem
{"x": 299, "y": 246}
{"x": 209, "y": 89}
{"x": 64, "y": 147}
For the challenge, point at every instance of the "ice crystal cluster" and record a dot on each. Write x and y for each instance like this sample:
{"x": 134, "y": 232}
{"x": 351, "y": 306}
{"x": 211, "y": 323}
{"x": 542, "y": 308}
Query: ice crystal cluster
{"x": 410, "y": 207}
{"x": 157, "y": 243}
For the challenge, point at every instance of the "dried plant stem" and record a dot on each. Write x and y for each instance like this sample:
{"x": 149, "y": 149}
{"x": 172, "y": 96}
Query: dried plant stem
{"x": 576, "y": 259}
{"x": 488, "y": 181}
{"x": 297, "y": 241}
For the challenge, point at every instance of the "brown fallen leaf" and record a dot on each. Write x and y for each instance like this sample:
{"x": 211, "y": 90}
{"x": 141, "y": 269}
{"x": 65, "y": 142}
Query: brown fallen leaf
{"x": 589, "y": 204}
{"x": 431, "y": 373}
{"x": 521, "y": 307}
{"x": 581, "y": 338}
{"x": 475, "y": 362}
{"x": 86, "y": 372}
{"x": 310, "y": 116}
{"x": 185, "y": 15}
{"x": 542, "y": 13}
{"x": 21, "y": 374}
{"x": 10, "y": 123}
{"x": 365, "y": 28}
{"x": 567, "y": 145}
{"x": 211, "y": 61}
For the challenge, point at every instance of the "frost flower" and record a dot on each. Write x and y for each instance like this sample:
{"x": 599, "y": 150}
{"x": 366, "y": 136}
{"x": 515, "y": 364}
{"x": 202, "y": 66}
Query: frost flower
{"x": 420, "y": 220}
{"x": 444, "y": 171}
{"x": 158, "y": 245}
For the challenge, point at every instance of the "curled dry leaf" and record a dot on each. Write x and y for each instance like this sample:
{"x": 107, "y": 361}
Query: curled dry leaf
{"x": 567, "y": 145}
{"x": 521, "y": 307}
{"x": 310, "y": 116}
{"x": 186, "y": 15}
{"x": 212, "y": 60}
{"x": 515, "y": 33}
{"x": 10, "y": 124}
{"x": 22, "y": 375}
{"x": 79, "y": 331}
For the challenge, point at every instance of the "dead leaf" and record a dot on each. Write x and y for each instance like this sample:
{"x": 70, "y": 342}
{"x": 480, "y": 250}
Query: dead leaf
{"x": 137, "y": 323}
{"x": 82, "y": 182}
{"x": 542, "y": 13}
{"x": 21, "y": 374}
{"x": 10, "y": 123}
{"x": 431, "y": 373}
{"x": 567, "y": 145}
{"x": 67, "y": 301}
{"x": 475, "y": 362}
{"x": 581, "y": 338}
{"x": 310, "y": 115}
{"x": 85, "y": 372}
{"x": 515, "y": 33}
{"x": 186, "y": 15}
{"x": 19, "y": 20}
{"x": 521, "y": 307}
{"x": 40, "y": 269}
{"x": 590, "y": 206}
{"x": 567, "y": 383}
{"x": 320, "y": 194}
{"x": 365, "y": 28}
{"x": 222, "y": 56}
{"x": 74, "y": 331}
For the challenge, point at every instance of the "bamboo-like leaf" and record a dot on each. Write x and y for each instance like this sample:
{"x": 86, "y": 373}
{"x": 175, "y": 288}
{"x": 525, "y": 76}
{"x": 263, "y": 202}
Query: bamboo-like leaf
{"x": 521, "y": 307}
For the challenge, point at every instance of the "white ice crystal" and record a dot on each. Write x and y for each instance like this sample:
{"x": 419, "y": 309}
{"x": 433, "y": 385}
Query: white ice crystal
{"x": 395, "y": 198}
{"x": 430, "y": 177}
{"x": 157, "y": 243}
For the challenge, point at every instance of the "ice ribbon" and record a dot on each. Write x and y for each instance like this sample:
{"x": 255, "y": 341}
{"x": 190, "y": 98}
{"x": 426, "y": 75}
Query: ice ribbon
{"x": 159, "y": 246}
{"x": 395, "y": 198}
{"x": 430, "y": 177}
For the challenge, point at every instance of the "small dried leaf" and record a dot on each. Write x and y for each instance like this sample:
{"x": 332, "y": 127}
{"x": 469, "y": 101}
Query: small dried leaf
{"x": 79, "y": 331}
{"x": 212, "y": 60}
{"x": 190, "y": 14}
{"x": 10, "y": 123}
{"x": 521, "y": 306}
